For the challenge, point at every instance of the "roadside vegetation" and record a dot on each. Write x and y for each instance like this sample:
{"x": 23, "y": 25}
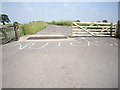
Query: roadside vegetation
{"x": 32, "y": 28}
{"x": 61, "y": 23}
{"x": 69, "y": 23}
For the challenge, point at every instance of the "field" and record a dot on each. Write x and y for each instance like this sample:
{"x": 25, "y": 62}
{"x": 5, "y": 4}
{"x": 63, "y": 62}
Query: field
{"x": 61, "y": 23}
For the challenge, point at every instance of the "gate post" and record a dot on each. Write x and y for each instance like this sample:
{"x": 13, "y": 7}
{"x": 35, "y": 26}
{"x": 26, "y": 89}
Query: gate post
{"x": 111, "y": 29}
{"x": 118, "y": 29}
{"x": 16, "y": 29}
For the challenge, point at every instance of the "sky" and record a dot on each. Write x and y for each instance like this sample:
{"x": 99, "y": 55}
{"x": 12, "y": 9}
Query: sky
{"x": 25, "y": 12}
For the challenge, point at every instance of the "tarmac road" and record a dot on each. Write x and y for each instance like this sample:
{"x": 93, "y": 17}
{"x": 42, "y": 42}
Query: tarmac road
{"x": 81, "y": 62}
{"x": 53, "y": 30}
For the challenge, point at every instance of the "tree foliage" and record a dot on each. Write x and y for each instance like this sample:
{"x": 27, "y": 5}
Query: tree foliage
{"x": 15, "y": 23}
{"x": 4, "y": 18}
{"x": 77, "y": 20}
{"x": 105, "y": 21}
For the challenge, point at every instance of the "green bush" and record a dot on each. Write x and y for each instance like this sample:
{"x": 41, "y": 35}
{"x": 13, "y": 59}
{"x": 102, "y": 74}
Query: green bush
{"x": 32, "y": 28}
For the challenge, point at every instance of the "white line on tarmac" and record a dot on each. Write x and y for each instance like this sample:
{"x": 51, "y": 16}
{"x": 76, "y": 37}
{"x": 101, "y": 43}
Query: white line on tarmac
{"x": 86, "y": 40}
{"x": 44, "y": 45}
{"x": 82, "y": 37}
{"x": 59, "y": 44}
{"x": 32, "y": 44}
{"x": 70, "y": 43}
{"x": 114, "y": 43}
{"x": 23, "y": 46}
{"x": 88, "y": 43}
{"x": 39, "y": 47}
{"x": 76, "y": 44}
{"x": 111, "y": 44}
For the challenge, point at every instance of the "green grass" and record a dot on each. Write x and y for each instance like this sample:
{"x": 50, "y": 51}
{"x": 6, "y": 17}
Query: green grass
{"x": 25, "y": 29}
{"x": 32, "y": 28}
{"x": 61, "y": 23}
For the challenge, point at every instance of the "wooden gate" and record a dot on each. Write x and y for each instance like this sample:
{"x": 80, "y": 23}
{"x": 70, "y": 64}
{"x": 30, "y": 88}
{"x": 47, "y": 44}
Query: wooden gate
{"x": 93, "y": 29}
{"x": 6, "y": 34}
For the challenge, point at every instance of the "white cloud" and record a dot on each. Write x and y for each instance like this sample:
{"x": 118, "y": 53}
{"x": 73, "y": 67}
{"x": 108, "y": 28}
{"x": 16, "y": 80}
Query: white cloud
{"x": 29, "y": 9}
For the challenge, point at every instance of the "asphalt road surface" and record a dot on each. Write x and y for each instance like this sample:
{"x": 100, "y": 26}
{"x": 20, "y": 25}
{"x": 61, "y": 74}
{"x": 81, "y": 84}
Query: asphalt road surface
{"x": 81, "y": 62}
{"x": 56, "y": 30}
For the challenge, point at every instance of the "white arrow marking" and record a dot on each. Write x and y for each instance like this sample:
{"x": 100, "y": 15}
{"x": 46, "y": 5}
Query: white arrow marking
{"x": 20, "y": 48}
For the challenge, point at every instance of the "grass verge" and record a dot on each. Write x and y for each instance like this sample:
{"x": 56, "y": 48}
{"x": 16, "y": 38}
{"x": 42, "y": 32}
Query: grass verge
{"x": 32, "y": 28}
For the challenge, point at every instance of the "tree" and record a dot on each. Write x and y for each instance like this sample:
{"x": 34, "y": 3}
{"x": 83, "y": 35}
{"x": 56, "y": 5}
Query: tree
{"x": 77, "y": 20}
{"x": 105, "y": 21}
{"x": 16, "y": 24}
{"x": 98, "y": 21}
{"x": 4, "y": 18}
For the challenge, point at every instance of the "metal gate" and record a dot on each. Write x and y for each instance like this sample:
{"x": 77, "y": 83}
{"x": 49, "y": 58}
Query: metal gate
{"x": 93, "y": 29}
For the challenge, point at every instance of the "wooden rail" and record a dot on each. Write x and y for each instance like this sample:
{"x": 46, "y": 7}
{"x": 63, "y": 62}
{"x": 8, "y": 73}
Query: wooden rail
{"x": 93, "y": 29}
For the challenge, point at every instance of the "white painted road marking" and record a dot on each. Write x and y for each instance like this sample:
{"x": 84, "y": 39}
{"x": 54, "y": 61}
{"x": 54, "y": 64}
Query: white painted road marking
{"x": 39, "y": 47}
{"x": 86, "y": 40}
{"x": 114, "y": 43}
{"x": 44, "y": 45}
{"x": 59, "y": 44}
{"x": 70, "y": 43}
{"x": 77, "y": 44}
{"x": 82, "y": 37}
{"x": 88, "y": 43}
{"x": 32, "y": 44}
{"x": 20, "y": 46}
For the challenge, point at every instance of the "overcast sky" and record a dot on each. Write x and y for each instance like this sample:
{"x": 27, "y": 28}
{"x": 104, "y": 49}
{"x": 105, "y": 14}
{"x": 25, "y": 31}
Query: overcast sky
{"x": 25, "y": 12}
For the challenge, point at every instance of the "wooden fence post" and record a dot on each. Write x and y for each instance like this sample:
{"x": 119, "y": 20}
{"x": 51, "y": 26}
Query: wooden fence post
{"x": 16, "y": 29}
{"x": 118, "y": 29}
{"x": 111, "y": 29}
